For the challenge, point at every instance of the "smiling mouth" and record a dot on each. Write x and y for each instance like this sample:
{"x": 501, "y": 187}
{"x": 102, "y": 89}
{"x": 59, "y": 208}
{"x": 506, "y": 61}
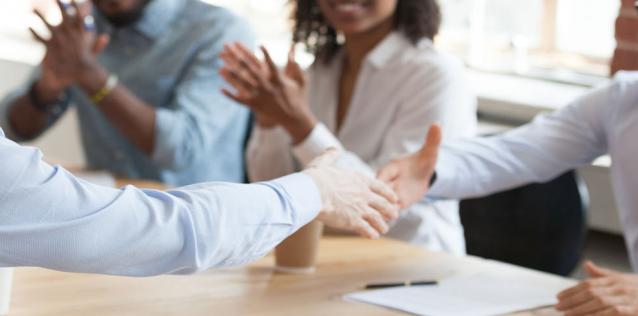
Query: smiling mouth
{"x": 349, "y": 7}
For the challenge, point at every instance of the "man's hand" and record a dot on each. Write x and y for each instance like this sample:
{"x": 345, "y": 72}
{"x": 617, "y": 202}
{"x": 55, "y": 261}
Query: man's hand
{"x": 606, "y": 293}
{"x": 410, "y": 176}
{"x": 71, "y": 50}
{"x": 276, "y": 97}
{"x": 352, "y": 201}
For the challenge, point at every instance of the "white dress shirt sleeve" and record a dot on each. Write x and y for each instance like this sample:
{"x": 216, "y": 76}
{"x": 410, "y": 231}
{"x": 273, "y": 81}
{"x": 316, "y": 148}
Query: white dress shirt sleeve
{"x": 268, "y": 154}
{"x": 550, "y": 145}
{"x": 50, "y": 219}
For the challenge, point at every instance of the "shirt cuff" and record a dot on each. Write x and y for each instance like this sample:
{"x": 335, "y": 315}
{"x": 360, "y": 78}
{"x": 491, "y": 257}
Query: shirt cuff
{"x": 304, "y": 197}
{"x": 269, "y": 134}
{"x": 319, "y": 140}
{"x": 443, "y": 187}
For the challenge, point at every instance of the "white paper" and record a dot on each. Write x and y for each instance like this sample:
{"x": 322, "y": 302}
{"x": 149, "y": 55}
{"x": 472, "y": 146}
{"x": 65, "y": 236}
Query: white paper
{"x": 97, "y": 177}
{"x": 473, "y": 294}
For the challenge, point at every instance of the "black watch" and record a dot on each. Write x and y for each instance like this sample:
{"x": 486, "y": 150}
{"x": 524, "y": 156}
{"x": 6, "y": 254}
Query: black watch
{"x": 52, "y": 107}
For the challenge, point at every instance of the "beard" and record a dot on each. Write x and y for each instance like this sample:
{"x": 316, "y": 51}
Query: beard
{"x": 124, "y": 19}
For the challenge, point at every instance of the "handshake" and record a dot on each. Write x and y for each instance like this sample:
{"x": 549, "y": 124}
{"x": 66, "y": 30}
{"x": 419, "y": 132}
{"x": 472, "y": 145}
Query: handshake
{"x": 355, "y": 202}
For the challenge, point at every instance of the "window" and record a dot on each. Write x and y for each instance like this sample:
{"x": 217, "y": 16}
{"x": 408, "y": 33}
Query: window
{"x": 566, "y": 40}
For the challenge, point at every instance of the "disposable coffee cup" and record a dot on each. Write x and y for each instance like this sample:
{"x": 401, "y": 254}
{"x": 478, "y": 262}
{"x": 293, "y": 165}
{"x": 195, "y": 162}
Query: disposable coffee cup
{"x": 298, "y": 253}
{"x": 6, "y": 282}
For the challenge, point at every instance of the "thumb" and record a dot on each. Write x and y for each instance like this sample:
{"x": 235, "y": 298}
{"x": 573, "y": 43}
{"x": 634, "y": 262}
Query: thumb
{"x": 326, "y": 159}
{"x": 100, "y": 43}
{"x": 595, "y": 271}
{"x": 432, "y": 142}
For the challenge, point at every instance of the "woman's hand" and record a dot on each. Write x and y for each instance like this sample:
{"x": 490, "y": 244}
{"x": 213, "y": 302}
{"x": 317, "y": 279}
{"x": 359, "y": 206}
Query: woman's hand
{"x": 275, "y": 97}
{"x": 607, "y": 292}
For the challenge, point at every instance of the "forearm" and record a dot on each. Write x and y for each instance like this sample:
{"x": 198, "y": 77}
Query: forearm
{"x": 136, "y": 232}
{"x": 129, "y": 115}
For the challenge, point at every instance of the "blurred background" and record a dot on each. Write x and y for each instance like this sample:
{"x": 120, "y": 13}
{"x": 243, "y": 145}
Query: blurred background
{"x": 523, "y": 57}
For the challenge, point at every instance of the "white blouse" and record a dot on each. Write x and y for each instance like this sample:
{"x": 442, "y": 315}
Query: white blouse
{"x": 400, "y": 91}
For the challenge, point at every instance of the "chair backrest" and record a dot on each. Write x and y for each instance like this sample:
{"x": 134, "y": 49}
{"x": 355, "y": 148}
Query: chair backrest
{"x": 538, "y": 226}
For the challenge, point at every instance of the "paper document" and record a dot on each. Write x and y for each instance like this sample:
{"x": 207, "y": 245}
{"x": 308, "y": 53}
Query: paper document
{"x": 473, "y": 294}
{"x": 97, "y": 177}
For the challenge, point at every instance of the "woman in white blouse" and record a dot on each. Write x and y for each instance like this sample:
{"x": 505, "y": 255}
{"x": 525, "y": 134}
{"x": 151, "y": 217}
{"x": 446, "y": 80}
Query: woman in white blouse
{"x": 376, "y": 85}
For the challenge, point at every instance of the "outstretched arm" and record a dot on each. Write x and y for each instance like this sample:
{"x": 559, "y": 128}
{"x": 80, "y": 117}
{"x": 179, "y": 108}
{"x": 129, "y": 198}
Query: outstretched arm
{"x": 53, "y": 220}
{"x": 536, "y": 152}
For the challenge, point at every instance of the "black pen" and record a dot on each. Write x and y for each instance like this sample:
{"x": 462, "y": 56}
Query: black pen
{"x": 406, "y": 283}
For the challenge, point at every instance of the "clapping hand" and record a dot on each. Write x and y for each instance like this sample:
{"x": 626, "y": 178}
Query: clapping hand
{"x": 276, "y": 97}
{"x": 72, "y": 48}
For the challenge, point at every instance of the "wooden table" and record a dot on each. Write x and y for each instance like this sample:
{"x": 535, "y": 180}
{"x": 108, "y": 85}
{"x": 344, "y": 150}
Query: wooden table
{"x": 345, "y": 264}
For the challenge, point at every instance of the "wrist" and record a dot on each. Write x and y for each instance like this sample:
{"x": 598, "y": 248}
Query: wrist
{"x": 47, "y": 91}
{"x": 300, "y": 129}
{"x": 92, "y": 78}
{"x": 315, "y": 175}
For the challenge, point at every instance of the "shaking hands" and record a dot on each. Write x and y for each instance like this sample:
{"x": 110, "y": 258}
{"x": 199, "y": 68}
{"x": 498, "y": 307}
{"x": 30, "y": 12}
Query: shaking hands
{"x": 352, "y": 201}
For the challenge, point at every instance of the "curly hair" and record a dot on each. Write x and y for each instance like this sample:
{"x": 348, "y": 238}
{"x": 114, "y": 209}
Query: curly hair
{"x": 415, "y": 18}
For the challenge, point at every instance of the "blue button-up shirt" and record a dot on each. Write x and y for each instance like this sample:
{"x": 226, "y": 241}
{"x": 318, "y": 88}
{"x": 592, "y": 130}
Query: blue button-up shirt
{"x": 170, "y": 60}
{"x": 50, "y": 219}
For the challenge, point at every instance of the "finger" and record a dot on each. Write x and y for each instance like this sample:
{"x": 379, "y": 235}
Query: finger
{"x": 383, "y": 190}
{"x": 595, "y": 271}
{"x": 79, "y": 18}
{"x": 364, "y": 229}
{"x": 241, "y": 61}
{"x": 432, "y": 142}
{"x": 100, "y": 44}
{"x": 234, "y": 97}
{"x": 572, "y": 301}
{"x": 274, "y": 72}
{"x": 44, "y": 20}
{"x": 376, "y": 221}
{"x": 609, "y": 311}
{"x": 586, "y": 308}
{"x": 586, "y": 285}
{"x": 244, "y": 87}
{"x": 328, "y": 158}
{"x": 63, "y": 10}
{"x": 37, "y": 36}
{"x": 250, "y": 55}
{"x": 389, "y": 211}
{"x": 388, "y": 173}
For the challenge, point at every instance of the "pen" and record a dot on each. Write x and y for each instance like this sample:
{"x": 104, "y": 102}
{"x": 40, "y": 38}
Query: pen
{"x": 398, "y": 284}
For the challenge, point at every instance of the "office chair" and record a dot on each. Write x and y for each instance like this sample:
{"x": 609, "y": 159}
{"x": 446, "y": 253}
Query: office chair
{"x": 538, "y": 226}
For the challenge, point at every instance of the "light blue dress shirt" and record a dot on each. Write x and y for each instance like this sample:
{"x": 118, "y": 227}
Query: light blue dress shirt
{"x": 50, "y": 219}
{"x": 170, "y": 60}
{"x": 604, "y": 121}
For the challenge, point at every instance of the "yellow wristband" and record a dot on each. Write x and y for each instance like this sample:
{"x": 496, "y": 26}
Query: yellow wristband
{"x": 99, "y": 96}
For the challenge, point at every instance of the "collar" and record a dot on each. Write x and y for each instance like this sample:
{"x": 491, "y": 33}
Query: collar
{"x": 389, "y": 47}
{"x": 158, "y": 17}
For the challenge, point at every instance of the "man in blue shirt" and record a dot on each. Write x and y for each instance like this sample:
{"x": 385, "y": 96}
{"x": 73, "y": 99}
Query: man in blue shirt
{"x": 146, "y": 89}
